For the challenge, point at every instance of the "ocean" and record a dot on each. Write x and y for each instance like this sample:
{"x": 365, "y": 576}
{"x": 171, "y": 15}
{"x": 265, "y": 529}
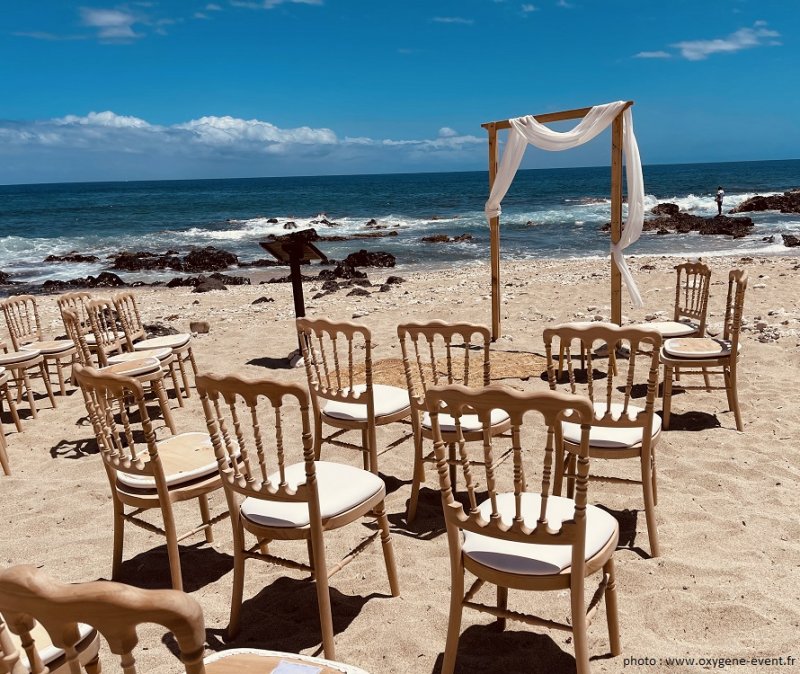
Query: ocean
{"x": 548, "y": 213}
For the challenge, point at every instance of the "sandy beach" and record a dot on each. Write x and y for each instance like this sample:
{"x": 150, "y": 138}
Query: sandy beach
{"x": 725, "y": 586}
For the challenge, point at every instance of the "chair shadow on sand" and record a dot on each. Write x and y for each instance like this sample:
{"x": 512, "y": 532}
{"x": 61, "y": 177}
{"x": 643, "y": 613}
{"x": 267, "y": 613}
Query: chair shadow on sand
{"x": 515, "y": 650}
{"x": 201, "y": 565}
{"x": 284, "y": 616}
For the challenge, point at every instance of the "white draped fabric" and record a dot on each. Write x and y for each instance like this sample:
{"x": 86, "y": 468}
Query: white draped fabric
{"x": 526, "y": 130}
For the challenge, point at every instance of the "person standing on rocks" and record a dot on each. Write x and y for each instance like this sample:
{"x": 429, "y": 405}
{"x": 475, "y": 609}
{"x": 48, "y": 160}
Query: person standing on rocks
{"x": 718, "y": 199}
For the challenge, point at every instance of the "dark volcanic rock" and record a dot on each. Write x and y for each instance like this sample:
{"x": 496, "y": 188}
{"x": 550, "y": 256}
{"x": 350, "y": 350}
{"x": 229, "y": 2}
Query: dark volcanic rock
{"x": 722, "y": 224}
{"x": 209, "y": 284}
{"x": 340, "y": 271}
{"x": 208, "y": 259}
{"x": 790, "y": 240}
{"x": 194, "y": 281}
{"x": 362, "y": 235}
{"x": 788, "y": 202}
{"x": 443, "y": 238}
{"x": 358, "y": 292}
{"x": 159, "y": 330}
{"x": 287, "y": 279}
{"x": 683, "y": 223}
{"x": 262, "y": 262}
{"x": 364, "y": 258}
{"x": 4, "y": 277}
{"x": 146, "y": 261}
{"x": 262, "y": 300}
{"x": 330, "y": 286}
{"x": 666, "y": 209}
{"x": 102, "y": 280}
{"x": 272, "y": 221}
{"x": 72, "y": 256}
{"x": 290, "y": 225}
{"x": 392, "y": 280}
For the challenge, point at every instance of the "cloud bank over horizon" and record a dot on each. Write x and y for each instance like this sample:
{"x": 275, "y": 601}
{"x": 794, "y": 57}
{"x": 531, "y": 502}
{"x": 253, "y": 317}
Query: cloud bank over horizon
{"x": 109, "y": 146}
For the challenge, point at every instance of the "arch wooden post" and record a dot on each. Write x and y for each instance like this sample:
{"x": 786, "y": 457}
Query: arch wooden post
{"x": 494, "y": 235}
{"x": 616, "y": 215}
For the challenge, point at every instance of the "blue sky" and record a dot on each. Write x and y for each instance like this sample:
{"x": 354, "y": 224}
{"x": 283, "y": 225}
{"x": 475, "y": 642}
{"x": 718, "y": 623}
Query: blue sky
{"x": 191, "y": 89}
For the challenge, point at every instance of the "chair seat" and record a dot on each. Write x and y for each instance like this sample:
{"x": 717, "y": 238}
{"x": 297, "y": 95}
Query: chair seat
{"x": 469, "y": 422}
{"x": 388, "y": 400}
{"x": 91, "y": 340}
{"x": 697, "y": 347}
{"x": 44, "y": 644}
{"x": 609, "y": 437}
{"x": 258, "y": 661}
{"x": 536, "y": 559}
{"x": 50, "y": 348}
{"x": 17, "y": 357}
{"x": 159, "y": 354}
{"x": 134, "y": 368}
{"x": 341, "y": 488}
{"x": 167, "y": 341}
{"x": 184, "y": 458}
{"x": 673, "y": 328}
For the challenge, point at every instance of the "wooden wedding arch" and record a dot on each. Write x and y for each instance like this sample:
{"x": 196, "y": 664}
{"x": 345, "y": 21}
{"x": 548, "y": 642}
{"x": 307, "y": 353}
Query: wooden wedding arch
{"x": 616, "y": 204}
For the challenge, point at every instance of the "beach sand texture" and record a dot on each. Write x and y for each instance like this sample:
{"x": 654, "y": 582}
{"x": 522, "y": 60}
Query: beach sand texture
{"x": 726, "y": 585}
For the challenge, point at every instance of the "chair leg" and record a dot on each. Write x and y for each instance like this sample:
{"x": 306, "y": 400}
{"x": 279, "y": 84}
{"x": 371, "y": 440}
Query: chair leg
{"x": 579, "y": 630}
{"x": 60, "y": 372}
{"x": 205, "y": 516}
{"x": 502, "y": 603}
{"x": 365, "y": 449}
{"x": 238, "y": 577}
{"x": 47, "y": 385}
{"x": 175, "y": 385}
{"x": 158, "y": 388}
{"x": 184, "y": 376}
{"x": 12, "y": 407}
{"x": 418, "y": 477}
{"x": 317, "y": 435}
{"x": 93, "y": 666}
{"x": 3, "y": 453}
{"x": 119, "y": 539}
{"x": 173, "y": 552}
{"x": 192, "y": 362}
{"x": 454, "y": 621}
{"x": 733, "y": 397}
{"x": 667, "y": 399}
{"x": 653, "y": 476}
{"x": 649, "y": 506}
{"x": 29, "y": 391}
{"x": 612, "y": 616}
{"x": 706, "y": 379}
{"x": 372, "y": 438}
{"x": 323, "y": 592}
{"x": 388, "y": 549}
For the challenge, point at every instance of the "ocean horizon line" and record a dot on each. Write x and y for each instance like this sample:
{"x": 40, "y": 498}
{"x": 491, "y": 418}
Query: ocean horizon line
{"x": 384, "y": 175}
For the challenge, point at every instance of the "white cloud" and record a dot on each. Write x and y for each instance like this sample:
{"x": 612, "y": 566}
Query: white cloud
{"x": 564, "y": 4}
{"x": 527, "y": 9}
{"x": 51, "y": 37}
{"x": 744, "y": 38}
{"x": 211, "y": 7}
{"x": 453, "y": 19}
{"x": 107, "y": 118}
{"x": 111, "y": 24}
{"x": 652, "y": 55}
{"x": 200, "y": 15}
{"x": 447, "y": 132}
{"x": 231, "y": 131}
{"x": 270, "y": 4}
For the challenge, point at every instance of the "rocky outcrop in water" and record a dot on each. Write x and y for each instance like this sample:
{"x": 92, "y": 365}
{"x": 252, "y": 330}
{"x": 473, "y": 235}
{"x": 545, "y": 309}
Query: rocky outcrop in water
{"x": 790, "y": 240}
{"x": 102, "y": 280}
{"x": 208, "y": 259}
{"x": 671, "y": 219}
{"x": 443, "y": 238}
{"x": 200, "y": 260}
{"x": 194, "y": 281}
{"x": 788, "y": 202}
{"x": 4, "y": 278}
{"x": 341, "y": 271}
{"x": 365, "y": 258}
{"x": 72, "y": 256}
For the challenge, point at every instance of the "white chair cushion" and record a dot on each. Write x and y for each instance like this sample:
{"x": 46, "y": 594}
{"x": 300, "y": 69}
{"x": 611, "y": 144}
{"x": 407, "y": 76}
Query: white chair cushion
{"x": 44, "y": 644}
{"x": 536, "y": 559}
{"x": 169, "y": 341}
{"x": 134, "y": 368}
{"x": 388, "y": 400}
{"x": 673, "y": 328}
{"x": 469, "y": 422}
{"x": 288, "y": 661}
{"x": 341, "y": 488}
{"x": 610, "y": 437}
{"x": 13, "y": 357}
{"x": 50, "y": 348}
{"x": 159, "y": 354}
{"x": 697, "y": 347}
{"x": 184, "y": 458}
{"x": 91, "y": 340}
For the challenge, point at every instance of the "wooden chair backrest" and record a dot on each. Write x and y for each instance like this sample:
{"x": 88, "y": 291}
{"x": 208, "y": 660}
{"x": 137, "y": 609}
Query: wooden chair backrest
{"x": 28, "y": 595}
{"x": 77, "y": 302}
{"x": 524, "y": 410}
{"x": 602, "y": 386}
{"x": 734, "y": 306}
{"x": 22, "y": 319}
{"x": 122, "y": 445}
{"x": 76, "y": 334}
{"x": 128, "y": 313}
{"x": 692, "y": 285}
{"x": 250, "y": 443}
{"x": 438, "y": 353}
{"x": 103, "y": 320}
{"x": 334, "y": 353}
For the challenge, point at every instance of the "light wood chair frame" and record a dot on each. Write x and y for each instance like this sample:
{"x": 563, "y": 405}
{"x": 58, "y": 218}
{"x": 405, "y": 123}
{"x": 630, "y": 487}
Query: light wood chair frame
{"x": 25, "y": 328}
{"x": 692, "y": 286}
{"x": 421, "y": 363}
{"x": 643, "y": 344}
{"x": 551, "y": 407}
{"x": 245, "y": 475}
{"x": 5, "y": 392}
{"x": 20, "y": 373}
{"x": 331, "y": 377}
{"x": 726, "y": 366}
{"x": 107, "y": 397}
{"x": 131, "y": 320}
{"x": 155, "y": 380}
